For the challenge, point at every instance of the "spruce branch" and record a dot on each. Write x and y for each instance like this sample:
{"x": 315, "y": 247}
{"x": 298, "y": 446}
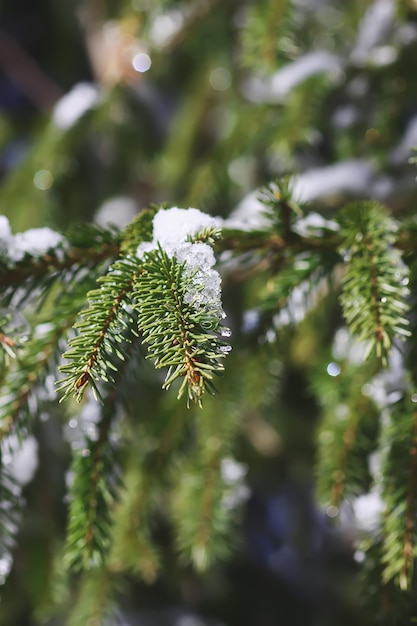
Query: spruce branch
{"x": 95, "y": 603}
{"x": 145, "y": 481}
{"x": 92, "y": 495}
{"x": 207, "y": 494}
{"x": 139, "y": 230}
{"x": 400, "y": 495}
{"x": 290, "y": 292}
{"x": 374, "y": 296}
{"x": 38, "y": 357}
{"x": 180, "y": 336}
{"x": 281, "y": 208}
{"x": 348, "y": 431}
{"x": 203, "y": 521}
{"x": 410, "y": 551}
{"x": 106, "y": 324}
{"x": 133, "y": 549}
{"x": 23, "y": 379}
{"x": 89, "y": 246}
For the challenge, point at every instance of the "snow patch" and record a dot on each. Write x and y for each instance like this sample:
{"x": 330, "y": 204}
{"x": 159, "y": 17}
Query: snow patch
{"x": 119, "y": 211}
{"x": 36, "y": 242}
{"x": 174, "y": 225}
{"x": 21, "y": 459}
{"x": 275, "y": 88}
{"x": 374, "y": 29}
{"x": 172, "y": 229}
{"x": 71, "y": 107}
{"x": 368, "y": 509}
{"x": 5, "y": 235}
{"x": 314, "y": 224}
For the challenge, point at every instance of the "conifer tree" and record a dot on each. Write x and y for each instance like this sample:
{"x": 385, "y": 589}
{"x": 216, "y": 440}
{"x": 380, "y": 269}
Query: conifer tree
{"x": 208, "y": 277}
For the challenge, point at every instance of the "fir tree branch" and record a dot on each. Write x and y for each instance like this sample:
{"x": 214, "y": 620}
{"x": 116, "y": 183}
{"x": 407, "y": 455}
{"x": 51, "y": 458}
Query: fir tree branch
{"x": 400, "y": 495}
{"x": 92, "y": 495}
{"x": 200, "y": 551}
{"x": 205, "y": 500}
{"x": 409, "y": 537}
{"x": 133, "y": 549}
{"x": 104, "y": 326}
{"x": 40, "y": 356}
{"x": 202, "y": 520}
{"x": 176, "y": 331}
{"x": 144, "y": 483}
{"x": 374, "y": 298}
{"x": 347, "y": 434}
{"x": 95, "y": 601}
{"x": 89, "y": 245}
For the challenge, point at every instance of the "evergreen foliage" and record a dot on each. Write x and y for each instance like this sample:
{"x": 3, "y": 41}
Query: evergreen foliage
{"x": 254, "y": 456}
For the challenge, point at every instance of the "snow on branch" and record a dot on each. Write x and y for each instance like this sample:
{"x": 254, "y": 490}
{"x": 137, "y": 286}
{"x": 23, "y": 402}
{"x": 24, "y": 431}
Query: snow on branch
{"x": 179, "y": 303}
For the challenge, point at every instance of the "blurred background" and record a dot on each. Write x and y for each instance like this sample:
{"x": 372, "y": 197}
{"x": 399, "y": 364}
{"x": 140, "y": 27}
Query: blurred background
{"x": 107, "y": 106}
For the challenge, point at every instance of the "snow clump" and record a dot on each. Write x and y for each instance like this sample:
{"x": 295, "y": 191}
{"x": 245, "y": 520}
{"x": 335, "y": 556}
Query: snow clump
{"x": 36, "y": 242}
{"x": 172, "y": 230}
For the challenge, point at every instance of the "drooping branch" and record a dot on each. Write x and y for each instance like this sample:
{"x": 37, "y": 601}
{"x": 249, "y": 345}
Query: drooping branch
{"x": 107, "y": 322}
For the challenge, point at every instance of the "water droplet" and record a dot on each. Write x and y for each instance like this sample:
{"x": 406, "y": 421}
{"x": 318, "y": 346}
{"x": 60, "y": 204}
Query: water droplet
{"x": 220, "y": 78}
{"x": 414, "y": 397}
{"x": 332, "y": 511}
{"x": 225, "y": 332}
{"x": 141, "y": 62}
{"x": 359, "y": 556}
{"x": 225, "y": 348}
{"x": 43, "y": 179}
{"x": 326, "y": 437}
{"x": 383, "y": 299}
{"x": 85, "y": 452}
{"x": 405, "y": 281}
{"x": 333, "y": 369}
